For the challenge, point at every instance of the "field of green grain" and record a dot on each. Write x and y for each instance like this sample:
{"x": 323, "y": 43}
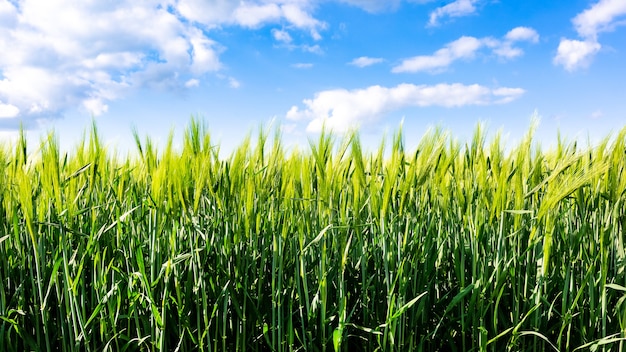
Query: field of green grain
{"x": 456, "y": 246}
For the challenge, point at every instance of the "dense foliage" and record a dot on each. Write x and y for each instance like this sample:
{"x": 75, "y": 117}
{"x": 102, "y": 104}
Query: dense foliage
{"x": 450, "y": 247}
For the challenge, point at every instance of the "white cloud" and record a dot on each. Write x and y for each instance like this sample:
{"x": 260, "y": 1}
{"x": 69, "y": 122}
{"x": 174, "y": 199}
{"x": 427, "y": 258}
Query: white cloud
{"x": 341, "y": 109}
{"x": 281, "y": 35}
{"x": 457, "y": 8}
{"x": 505, "y": 48}
{"x": 204, "y": 57}
{"x": 522, "y": 34}
{"x": 66, "y": 54}
{"x": 602, "y": 16}
{"x": 599, "y": 18}
{"x": 8, "y": 110}
{"x": 301, "y": 19}
{"x": 8, "y": 14}
{"x": 210, "y": 13}
{"x": 232, "y": 81}
{"x": 462, "y": 48}
{"x": 192, "y": 83}
{"x": 96, "y": 106}
{"x": 575, "y": 54}
{"x": 313, "y": 49}
{"x": 118, "y": 60}
{"x": 365, "y": 61}
{"x": 507, "y": 95}
{"x": 84, "y": 54}
{"x": 466, "y": 48}
{"x": 252, "y": 15}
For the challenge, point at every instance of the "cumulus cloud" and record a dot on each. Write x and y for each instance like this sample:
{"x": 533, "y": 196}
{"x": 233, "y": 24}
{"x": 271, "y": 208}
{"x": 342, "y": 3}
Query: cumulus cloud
{"x": 603, "y": 16}
{"x": 575, "y": 54}
{"x": 522, "y": 34}
{"x": 365, "y": 61}
{"x": 342, "y": 109}
{"x": 66, "y": 54}
{"x": 457, "y": 8}
{"x": 466, "y": 47}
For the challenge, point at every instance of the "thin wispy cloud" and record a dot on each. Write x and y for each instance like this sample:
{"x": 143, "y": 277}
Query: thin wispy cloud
{"x": 462, "y": 48}
{"x": 342, "y": 109}
{"x": 233, "y": 83}
{"x": 282, "y": 36}
{"x": 458, "y": 8}
{"x": 603, "y": 16}
{"x": 365, "y": 61}
{"x": 505, "y": 48}
{"x": 466, "y": 48}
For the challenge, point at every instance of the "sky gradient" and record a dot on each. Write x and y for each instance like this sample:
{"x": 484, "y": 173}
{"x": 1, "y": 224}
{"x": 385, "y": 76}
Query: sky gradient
{"x": 302, "y": 64}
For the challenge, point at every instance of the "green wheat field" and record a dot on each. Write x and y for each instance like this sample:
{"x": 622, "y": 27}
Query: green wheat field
{"x": 453, "y": 247}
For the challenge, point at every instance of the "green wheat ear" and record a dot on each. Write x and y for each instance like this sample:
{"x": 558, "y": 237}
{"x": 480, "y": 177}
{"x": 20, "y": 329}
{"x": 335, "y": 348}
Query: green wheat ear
{"x": 449, "y": 246}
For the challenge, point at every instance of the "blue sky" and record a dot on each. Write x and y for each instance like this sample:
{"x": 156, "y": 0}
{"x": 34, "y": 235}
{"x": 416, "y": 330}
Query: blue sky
{"x": 300, "y": 64}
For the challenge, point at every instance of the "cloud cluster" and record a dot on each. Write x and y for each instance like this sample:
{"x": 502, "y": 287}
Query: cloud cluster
{"x": 250, "y": 14}
{"x": 602, "y": 16}
{"x": 341, "y": 109}
{"x": 466, "y": 48}
{"x": 60, "y": 54}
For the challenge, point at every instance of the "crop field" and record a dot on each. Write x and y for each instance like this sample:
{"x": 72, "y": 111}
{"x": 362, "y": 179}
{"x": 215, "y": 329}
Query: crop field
{"x": 455, "y": 246}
